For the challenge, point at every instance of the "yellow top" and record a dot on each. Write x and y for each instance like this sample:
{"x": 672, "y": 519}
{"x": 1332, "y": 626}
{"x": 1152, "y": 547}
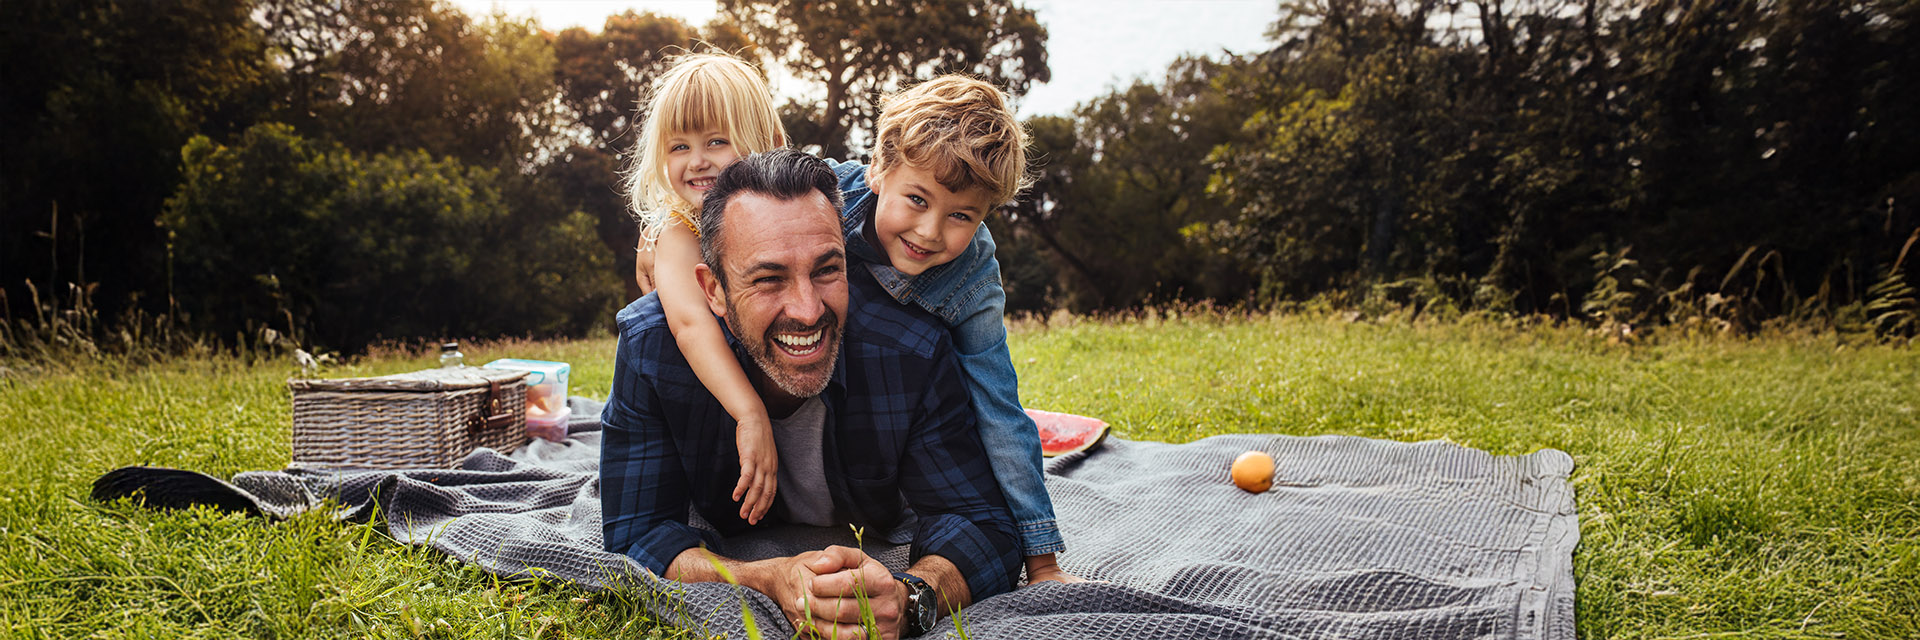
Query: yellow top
{"x": 686, "y": 218}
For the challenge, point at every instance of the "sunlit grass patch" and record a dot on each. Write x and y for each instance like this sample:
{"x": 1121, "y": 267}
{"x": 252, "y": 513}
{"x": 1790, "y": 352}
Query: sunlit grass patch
{"x": 1760, "y": 488}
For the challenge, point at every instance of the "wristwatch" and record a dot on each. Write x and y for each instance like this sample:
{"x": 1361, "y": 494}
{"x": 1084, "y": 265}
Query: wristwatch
{"x": 923, "y": 610}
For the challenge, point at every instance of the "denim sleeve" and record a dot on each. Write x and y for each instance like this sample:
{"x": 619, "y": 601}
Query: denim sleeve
{"x": 948, "y": 481}
{"x": 1011, "y": 438}
{"x": 644, "y": 498}
{"x": 978, "y": 307}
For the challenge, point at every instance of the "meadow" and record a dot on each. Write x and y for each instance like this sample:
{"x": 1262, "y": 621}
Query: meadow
{"x": 1727, "y": 487}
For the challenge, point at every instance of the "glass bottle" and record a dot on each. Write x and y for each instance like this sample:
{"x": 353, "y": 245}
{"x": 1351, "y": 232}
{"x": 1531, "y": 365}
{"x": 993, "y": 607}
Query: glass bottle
{"x": 450, "y": 355}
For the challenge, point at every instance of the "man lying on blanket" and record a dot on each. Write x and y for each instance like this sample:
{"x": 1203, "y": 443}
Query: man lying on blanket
{"x": 870, "y": 411}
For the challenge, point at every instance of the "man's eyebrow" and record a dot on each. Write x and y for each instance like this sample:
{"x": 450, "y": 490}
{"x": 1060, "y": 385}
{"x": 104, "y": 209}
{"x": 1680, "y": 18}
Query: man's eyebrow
{"x": 830, "y": 255}
{"x": 764, "y": 266}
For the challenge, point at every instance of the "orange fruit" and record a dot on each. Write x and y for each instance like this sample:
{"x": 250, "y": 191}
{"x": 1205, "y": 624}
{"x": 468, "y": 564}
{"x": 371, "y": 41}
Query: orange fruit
{"x": 1253, "y": 471}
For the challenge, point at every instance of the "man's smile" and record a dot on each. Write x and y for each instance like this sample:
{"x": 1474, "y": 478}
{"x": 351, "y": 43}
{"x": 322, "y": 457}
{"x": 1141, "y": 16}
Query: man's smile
{"x": 801, "y": 345}
{"x": 795, "y": 349}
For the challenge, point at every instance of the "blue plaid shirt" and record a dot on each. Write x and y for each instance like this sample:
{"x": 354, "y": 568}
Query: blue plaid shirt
{"x": 898, "y": 427}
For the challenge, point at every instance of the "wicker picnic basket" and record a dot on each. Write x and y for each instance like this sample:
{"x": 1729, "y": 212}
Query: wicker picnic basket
{"x": 424, "y": 419}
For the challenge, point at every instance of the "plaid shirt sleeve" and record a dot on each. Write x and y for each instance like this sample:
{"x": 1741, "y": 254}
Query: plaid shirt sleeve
{"x": 906, "y": 391}
{"x": 644, "y": 495}
{"x": 947, "y": 479}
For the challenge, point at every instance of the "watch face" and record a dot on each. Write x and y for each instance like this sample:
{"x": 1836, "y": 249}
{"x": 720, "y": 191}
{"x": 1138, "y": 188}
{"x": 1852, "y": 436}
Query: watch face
{"x": 921, "y": 612}
{"x": 923, "y": 608}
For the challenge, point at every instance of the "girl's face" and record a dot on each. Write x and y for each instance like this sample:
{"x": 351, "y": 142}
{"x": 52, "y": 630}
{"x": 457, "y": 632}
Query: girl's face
{"x": 694, "y": 159}
{"x": 919, "y": 223}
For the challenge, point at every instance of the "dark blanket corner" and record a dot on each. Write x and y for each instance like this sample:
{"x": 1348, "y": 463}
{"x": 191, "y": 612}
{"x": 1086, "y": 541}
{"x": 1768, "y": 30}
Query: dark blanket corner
{"x": 1358, "y": 537}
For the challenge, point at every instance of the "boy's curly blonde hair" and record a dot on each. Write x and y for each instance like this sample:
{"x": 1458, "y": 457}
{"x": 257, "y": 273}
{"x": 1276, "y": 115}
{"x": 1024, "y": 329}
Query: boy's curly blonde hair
{"x": 697, "y": 92}
{"x": 960, "y": 130}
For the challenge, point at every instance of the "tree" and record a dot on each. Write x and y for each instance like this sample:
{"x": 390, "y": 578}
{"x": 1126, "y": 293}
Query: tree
{"x": 1367, "y": 151}
{"x": 417, "y": 74}
{"x": 1121, "y": 197}
{"x": 604, "y": 76}
{"x": 98, "y": 97}
{"x": 344, "y": 247}
{"x": 857, "y": 49}
{"x": 1524, "y": 146}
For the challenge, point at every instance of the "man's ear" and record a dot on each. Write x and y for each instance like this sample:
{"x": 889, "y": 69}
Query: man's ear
{"x": 710, "y": 285}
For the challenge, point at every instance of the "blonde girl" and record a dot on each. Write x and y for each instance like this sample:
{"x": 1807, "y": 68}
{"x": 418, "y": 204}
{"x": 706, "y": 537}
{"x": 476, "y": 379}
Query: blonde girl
{"x": 707, "y": 111}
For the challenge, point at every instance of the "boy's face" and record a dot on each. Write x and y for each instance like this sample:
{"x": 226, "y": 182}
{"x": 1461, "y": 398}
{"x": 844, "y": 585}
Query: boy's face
{"x": 694, "y": 160}
{"x": 919, "y": 223}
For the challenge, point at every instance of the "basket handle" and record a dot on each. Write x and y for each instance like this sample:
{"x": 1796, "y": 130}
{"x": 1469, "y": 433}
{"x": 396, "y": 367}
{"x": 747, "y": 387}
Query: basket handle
{"x": 496, "y": 414}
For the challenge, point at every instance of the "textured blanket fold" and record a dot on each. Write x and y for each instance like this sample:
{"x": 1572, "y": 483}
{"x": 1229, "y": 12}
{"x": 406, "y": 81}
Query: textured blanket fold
{"x": 1358, "y": 538}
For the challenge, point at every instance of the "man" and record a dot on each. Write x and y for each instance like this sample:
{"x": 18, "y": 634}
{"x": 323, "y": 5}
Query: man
{"x": 870, "y": 418}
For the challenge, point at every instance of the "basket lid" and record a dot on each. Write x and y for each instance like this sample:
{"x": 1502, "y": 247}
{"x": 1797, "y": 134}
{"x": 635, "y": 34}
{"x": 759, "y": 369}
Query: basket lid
{"x": 442, "y": 379}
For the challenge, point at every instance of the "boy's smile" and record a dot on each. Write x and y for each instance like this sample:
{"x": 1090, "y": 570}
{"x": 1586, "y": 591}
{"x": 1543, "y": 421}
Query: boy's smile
{"x": 919, "y": 223}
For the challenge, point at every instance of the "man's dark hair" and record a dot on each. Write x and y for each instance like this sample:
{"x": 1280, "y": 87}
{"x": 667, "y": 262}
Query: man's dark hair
{"x": 782, "y": 174}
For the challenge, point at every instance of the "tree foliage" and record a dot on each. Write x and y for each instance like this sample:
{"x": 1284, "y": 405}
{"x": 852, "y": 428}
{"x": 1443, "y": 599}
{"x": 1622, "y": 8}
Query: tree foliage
{"x": 857, "y": 49}
{"x": 416, "y": 74}
{"x": 103, "y": 95}
{"x": 366, "y": 169}
{"x": 1741, "y": 149}
{"x": 312, "y": 238}
{"x": 98, "y": 97}
{"x": 1122, "y": 188}
{"x": 1717, "y": 163}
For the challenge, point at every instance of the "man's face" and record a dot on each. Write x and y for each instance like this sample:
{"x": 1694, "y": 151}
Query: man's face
{"x": 786, "y": 287}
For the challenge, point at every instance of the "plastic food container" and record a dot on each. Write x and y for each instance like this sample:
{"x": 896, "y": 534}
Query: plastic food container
{"x": 547, "y": 410}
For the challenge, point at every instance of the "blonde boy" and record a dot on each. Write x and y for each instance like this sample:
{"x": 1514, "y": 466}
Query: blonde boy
{"x": 949, "y": 153}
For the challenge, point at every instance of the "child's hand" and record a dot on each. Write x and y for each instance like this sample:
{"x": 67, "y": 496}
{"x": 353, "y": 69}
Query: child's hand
{"x": 643, "y": 267}
{"x": 759, "y": 468}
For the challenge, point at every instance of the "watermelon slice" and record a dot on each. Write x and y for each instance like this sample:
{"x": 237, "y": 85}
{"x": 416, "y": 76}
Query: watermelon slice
{"x": 1064, "y": 433}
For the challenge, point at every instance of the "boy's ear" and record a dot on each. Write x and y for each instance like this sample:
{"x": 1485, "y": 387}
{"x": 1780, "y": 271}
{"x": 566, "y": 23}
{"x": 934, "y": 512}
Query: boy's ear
{"x": 710, "y": 285}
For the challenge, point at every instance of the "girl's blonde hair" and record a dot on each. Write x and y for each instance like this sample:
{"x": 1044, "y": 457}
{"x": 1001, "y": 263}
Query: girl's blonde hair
{"x": 698, "y": 92}
{"x": 959, "y": 129}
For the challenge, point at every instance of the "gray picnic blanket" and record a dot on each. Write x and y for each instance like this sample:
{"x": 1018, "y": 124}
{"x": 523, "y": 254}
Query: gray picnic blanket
{"x": 1358, "y": 538}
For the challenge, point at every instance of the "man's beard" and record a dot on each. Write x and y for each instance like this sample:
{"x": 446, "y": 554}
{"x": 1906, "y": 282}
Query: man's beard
{"x": 763, "y": 355}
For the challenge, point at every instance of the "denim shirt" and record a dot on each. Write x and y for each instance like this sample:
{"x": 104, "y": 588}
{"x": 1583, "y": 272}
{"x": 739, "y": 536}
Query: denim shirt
{"x": 967, "y": 296}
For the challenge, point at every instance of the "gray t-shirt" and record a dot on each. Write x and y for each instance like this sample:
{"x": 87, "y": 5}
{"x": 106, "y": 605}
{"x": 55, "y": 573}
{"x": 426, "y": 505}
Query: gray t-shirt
{"x": 803, "y": 497}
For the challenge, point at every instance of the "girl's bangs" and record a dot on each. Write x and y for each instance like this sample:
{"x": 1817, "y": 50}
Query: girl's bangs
{"x": 699, "y": 106}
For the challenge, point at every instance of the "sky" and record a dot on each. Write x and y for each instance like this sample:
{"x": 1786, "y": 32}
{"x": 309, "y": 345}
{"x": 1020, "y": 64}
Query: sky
{"x": 1092, "y": 45}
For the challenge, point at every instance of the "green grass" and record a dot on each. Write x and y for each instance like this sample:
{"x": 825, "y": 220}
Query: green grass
{"x": 1727, "y": 488}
